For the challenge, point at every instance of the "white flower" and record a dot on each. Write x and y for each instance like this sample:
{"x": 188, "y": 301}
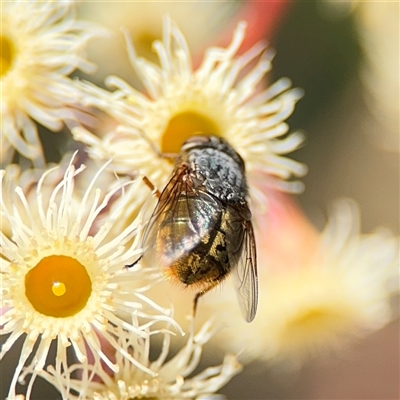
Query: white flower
{"x": 62, "y": 280}
{"x": 173, "y": 378}
{"x": 27, "y": 180}
{"x": 220, "y": 97}
{"x": 342, "y": 292}
{"x": 200, "y": 21}
{"x": 41, "y": 44}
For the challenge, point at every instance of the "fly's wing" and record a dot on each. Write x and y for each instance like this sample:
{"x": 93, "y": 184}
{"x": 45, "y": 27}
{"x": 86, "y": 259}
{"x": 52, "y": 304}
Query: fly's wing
{"x": 182, "y": 218}
{"x": 244, "y": 266}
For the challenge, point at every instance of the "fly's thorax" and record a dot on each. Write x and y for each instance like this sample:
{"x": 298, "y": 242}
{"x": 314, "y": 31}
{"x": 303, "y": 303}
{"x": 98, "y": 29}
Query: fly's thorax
{"x": 217, "y": 173}
{"x": 212, "y": 142}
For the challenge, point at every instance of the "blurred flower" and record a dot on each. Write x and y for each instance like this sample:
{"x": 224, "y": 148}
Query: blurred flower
{"x": 41, "y": 44}
{"x": 329, "y": 290}
{"x": 377, "y": 24}
{"x": 61, "y": 280}
{"x": 173, "y": 378}
{"x": 200, "y": 21}
{"x": 181, "y": 102}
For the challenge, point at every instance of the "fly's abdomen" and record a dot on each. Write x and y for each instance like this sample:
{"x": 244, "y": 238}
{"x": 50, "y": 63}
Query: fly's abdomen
{"x": 191, "y": 244}
{"x": 207, "y": 263}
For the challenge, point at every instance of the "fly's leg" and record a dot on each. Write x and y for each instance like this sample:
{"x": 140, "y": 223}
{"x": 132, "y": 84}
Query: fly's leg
{"x": 134, "y": 263}
{"x": 156, "y": 193}
{"x": 198, "y": 295}
{"x": 151, "y": 186}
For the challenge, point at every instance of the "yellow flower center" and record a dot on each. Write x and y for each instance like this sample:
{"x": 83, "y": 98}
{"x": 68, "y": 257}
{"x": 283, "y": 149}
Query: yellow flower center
{"x": 184, "y": 125}
{"x": 312, "y": 319}
{"x": 7, "y": 55}
{"x": 58, "y": 286}
{"x": 318, "y": 323}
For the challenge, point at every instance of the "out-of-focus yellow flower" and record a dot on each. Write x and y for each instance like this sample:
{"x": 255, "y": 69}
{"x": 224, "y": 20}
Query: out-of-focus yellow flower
{"x": 172, "y": 378}
{"x": 41, "y": 44}
{"x": 63, "y": 281}
{"x": 316, "y": 292}
{"x": 377, "y": 24}
{"x": 200, "y": 21}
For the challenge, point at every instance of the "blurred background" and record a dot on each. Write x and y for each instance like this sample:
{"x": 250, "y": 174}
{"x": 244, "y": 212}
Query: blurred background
{"x": 345, "y": 55}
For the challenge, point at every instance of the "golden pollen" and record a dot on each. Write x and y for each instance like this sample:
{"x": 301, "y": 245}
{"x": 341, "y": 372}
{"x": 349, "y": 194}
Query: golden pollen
{"x": 182, "y": 126}
{"x": 58, "y": 286}
{"x": 7, "y": 54}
